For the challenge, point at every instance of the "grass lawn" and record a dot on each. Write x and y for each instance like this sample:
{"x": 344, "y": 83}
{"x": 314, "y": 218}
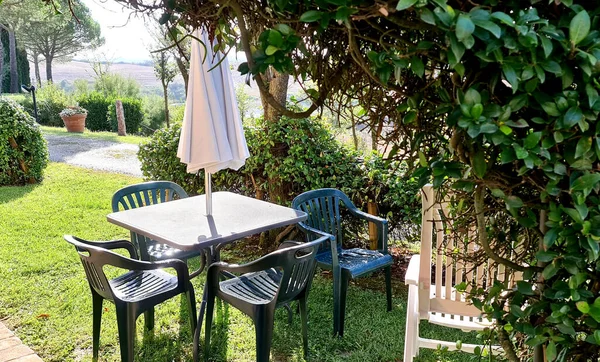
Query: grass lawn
{"x": 105, "y": 136}
{"x": 45, "y": 298}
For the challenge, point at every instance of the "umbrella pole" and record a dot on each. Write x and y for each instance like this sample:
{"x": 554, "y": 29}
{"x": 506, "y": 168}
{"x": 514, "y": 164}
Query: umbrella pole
{"x": 208, "y": 192}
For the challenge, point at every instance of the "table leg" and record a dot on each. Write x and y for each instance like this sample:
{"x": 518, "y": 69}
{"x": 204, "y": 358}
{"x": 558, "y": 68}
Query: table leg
{"x": 212, "y": 256}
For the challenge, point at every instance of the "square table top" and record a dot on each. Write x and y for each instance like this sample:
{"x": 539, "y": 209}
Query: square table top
{"x": 184, "y": 224}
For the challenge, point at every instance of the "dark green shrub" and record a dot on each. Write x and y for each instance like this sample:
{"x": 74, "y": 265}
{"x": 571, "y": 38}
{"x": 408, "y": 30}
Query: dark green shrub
{"x": 16, "y": 126}
{"x": 51, "y": 99}
{"x": 154, "y": 114}
{"x": 287, "y": 158}
{"x": 134, "y": 115}
{"x": 96, "y": 104}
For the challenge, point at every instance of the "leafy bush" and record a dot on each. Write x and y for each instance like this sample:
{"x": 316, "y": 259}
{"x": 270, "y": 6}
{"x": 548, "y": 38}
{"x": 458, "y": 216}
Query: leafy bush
{"x": 97, "y": 105}
{"x": 18, "y": 129}
{"x": 115, "y": 85}
{"x": 134, "y": 115}
{"x": 154, "y": 114}
{"x": 287, "y": 158}
{"x": 51, "y": 100}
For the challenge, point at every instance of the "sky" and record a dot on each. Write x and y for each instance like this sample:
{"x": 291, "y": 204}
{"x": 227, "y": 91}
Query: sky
{"x": 126, "y": 38}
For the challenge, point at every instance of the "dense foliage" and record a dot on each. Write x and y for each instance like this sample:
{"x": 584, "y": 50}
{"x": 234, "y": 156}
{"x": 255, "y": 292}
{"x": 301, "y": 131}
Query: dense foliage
{"x": 102, "y": 112}
{"x": 133, "y": 112}
{"x": 22, "y": 64}
{"x": 314, "y": 159}
{"x": 495, "y": 100}
{"x": 51, "y": 100}
{"x": 23, "y": 150}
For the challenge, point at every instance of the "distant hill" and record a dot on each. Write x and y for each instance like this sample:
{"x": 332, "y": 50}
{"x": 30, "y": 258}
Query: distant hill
{"x": 73, "y": 70}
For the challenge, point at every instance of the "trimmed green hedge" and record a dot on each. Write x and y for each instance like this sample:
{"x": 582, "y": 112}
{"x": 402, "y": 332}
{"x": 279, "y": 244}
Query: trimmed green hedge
{"x": 17, "y": 126}
{"x": 102, "y": 113}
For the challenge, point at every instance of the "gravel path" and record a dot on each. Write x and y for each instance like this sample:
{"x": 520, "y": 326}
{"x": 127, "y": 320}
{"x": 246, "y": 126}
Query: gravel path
{"x": 95, "y": 154}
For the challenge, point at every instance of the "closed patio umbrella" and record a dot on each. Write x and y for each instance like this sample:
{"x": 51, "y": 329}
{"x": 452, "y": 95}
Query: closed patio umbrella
{"x": 212, "y": 137}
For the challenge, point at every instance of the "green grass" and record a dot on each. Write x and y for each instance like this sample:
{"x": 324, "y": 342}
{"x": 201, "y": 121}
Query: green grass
{"x": 45, "y": 298}
{"x": 105, "y": 136}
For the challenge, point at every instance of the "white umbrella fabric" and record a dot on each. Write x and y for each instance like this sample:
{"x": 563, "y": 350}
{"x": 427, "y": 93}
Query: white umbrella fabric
{"x": 212, "y": 136}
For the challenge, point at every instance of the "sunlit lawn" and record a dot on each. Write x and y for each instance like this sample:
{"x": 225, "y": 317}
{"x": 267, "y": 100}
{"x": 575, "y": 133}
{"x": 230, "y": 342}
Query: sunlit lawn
{"x": 45, "y": 298}
{"x": 105, "y": 136}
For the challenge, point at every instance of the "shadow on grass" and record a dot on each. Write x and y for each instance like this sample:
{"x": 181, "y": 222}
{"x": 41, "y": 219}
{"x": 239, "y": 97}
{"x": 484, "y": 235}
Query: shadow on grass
{"x": 10, "y": 193}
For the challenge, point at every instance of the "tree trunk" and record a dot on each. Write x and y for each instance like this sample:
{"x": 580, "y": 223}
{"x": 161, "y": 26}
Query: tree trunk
{"x": 49, "y": 69}
{"x": 121, "y": 126}
{"x": 36, "y": 66}
{"x": 278, "y": 86}
{"x": 14, "y": 74}
{"x": 184, "y": 72}
{"x": 1, "y": 62}
{"x": 166, "y": 97}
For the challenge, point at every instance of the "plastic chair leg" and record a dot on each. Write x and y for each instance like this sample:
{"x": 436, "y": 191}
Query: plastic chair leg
{"x": 388, "y": 287}
{"x": 210, "y": 306}
{"x": 263, "y": 323}
{"x": 97, "y": 311}
{"x": 149, "y": 319}
{"x": 337, "y": 282}
{"x": 126, "y": 325}
{"x": 343, "y": 293}
{"x": 191, "y": 303}
{"x": 304, "y": 320}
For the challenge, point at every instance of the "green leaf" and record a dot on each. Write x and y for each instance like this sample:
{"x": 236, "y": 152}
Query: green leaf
{"x": 271, "y": 50}
{"x": 427, "y": 16}
{"x": 511, "y": 76}
{"x": 583, "y": 307}
{"x": 550, "y": 237}
{"x": 405, "y": 4}
{"x": 311, "y": 16}
{"x": 572, "y": 117}
{"x": 584, "y": 182}
{"x": 583, "y": 146}
{"x": 275, "y": 39}
{"x": 514, "y": 202}
{"x": 503, "y": 17}
{"x": 506, "y": 130}
{"x": 489, "y": 26}
{"x": 284, "y": 29}
{"x": 525, "y": 288}
{"x": 472, "y": 97}
{"x": 549, "y": 271}
{"x": 551, "y": 351}
{"x": 416, "y": 65}
{"x": 488, "y": 128}
{"x": 546, "y": 45}
{"x": 579, "y": 27}
{"x": 546, "y": 256}
{"x": 464, "y": 27}
{"x": 479, "y": 164}
{"x": 532, "y": 140}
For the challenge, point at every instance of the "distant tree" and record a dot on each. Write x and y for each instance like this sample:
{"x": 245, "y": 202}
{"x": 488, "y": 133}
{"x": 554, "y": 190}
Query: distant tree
{"x": 179, "y": 48}
{"x": 165, "y": 71}
{"x": 22, "y": 65}
{"x": 12, "y": 15}
{"x": 59, "y": 36}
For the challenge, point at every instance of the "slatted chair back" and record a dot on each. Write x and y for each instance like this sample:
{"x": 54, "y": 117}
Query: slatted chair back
{"x": 446, "y": 251}
{"x": 147, "y": 193}
{"x": 94, "y": 259}
{"x": 323, "y": 209}
{"x": 298, "y": 265}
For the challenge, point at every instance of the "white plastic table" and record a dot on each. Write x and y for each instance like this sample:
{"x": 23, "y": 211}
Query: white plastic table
{"x": 183, "y": 224}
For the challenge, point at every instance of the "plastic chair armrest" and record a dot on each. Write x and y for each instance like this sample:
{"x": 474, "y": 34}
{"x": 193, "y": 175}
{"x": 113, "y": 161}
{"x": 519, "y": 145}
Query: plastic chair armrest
{"x": 116, "y": 244}
{"x": 412, "y": 272}
{"x": 139, "y": 265}
{"x": 380, "y": 223}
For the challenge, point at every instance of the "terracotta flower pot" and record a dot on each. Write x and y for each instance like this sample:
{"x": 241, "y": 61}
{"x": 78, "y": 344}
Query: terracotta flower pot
{"x": 75, "y": 123}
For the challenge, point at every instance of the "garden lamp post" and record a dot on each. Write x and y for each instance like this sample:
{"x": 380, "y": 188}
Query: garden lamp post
{"x": 31, "y": 89}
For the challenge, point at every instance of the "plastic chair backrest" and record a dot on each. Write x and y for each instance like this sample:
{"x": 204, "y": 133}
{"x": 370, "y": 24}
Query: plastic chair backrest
{"x": 297, "y": 264}
{"x": 93, "y": 259}
{"x": 445, "y": 250}
{"x": 147, "y": 193}
{"x": 323, "y": 209}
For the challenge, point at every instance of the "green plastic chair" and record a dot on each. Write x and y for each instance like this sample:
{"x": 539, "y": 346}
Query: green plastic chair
{"x": 323, "y": 209}
{"x": 135, "y": 292}
{"x": 149, "y": 193}
{"x": 265, "y": 284}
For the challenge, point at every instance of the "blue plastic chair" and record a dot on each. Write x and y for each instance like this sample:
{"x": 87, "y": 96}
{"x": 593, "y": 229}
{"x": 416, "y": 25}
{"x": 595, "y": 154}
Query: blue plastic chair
{"x": 323, "y": 209}
{"x": 149, "y": 193}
